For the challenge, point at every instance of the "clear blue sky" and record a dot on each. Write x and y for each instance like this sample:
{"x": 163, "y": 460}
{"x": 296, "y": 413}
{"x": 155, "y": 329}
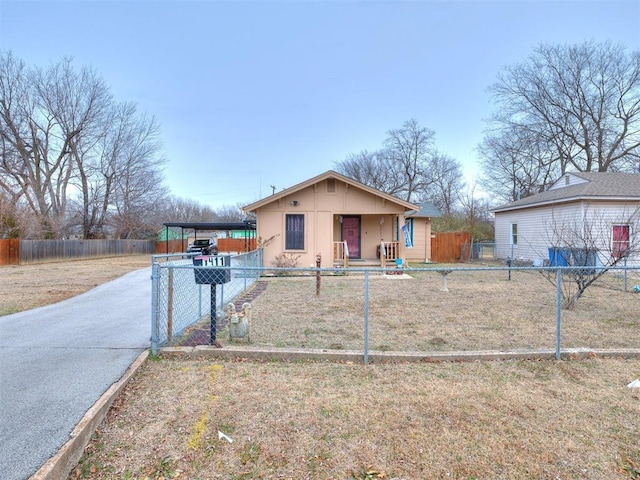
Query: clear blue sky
{"x": 253, "y": 94}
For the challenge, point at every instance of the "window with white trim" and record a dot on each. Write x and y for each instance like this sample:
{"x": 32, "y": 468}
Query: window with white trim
{"x": 620, "y": 235}
{"x": 514, "y": 234}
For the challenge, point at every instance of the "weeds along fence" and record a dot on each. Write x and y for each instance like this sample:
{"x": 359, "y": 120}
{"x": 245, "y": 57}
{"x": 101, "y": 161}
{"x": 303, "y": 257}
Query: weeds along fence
{"x": 419, "y": 310}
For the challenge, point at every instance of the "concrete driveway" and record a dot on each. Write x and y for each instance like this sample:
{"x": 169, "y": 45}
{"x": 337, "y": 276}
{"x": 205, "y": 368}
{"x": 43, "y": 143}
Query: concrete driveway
{"x": 56, "y": 362}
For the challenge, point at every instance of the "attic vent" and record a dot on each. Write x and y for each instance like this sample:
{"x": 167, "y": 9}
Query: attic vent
{"x": 566, "y": 179}
{"x": 331, "y": 185}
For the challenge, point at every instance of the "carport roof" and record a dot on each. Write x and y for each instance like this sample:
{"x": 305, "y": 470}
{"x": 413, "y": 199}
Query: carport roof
{"x": 246, "y": 225}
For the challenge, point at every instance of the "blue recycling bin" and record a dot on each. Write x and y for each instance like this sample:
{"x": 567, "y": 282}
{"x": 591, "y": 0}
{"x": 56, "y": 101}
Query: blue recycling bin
{"x": 559, "y": 257}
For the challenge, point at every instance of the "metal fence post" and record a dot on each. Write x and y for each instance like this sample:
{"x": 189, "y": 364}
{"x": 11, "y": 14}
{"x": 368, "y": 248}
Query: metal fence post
{"x": 625, "y": 275}
{"x": 366, "y": 317}
{"x": 155, "y": 285}
{"x": 558, "y": 310}
{"x": 244, "y": 272}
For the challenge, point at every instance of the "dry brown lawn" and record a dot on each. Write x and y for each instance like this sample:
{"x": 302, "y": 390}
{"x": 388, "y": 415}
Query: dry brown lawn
{"x": 572, "y": 419}
{"x": 29, "y": 286}
{"x": 485, "y": 420}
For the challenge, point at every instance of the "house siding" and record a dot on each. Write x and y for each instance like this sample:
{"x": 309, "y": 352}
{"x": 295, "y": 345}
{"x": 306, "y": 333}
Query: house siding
{"x": 421, "y": 251}
{"x": 536, "y": 226}
{"x": 322, "y": 210}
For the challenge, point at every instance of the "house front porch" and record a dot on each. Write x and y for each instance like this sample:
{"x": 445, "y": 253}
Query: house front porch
{"x": 390, "y": 252}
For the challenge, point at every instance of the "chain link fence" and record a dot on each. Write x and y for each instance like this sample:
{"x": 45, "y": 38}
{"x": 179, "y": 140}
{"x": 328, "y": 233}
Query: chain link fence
{"x": 478, "y": 252}
{"x": 439, "y": 308}
{"x": 186, "y": 289}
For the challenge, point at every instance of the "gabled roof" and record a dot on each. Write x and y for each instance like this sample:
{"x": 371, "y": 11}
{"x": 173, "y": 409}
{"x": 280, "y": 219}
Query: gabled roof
{"x": 320, "y": 178}
{"x": 598, "y": 186}
{"x": 427, "y": 209}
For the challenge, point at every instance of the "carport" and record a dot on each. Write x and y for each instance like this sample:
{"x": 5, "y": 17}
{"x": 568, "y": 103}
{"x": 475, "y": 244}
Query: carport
{"x": 246, "y": 226}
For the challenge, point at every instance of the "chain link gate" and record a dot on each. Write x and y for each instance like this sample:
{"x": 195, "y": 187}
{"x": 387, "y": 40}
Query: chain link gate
{"x": 189, "y": 295}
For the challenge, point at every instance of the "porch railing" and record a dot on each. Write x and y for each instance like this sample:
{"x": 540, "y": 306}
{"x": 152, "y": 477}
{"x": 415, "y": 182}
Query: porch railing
{"x": 389, "y": 251}
{"x": 341, "y": 254}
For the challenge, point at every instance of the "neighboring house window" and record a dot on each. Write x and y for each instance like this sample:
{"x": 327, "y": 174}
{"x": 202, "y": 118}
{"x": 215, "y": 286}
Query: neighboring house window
{"x": 294, "y": 232}
{"x": 620, "y": 240}
{"x": 514, "y": 234}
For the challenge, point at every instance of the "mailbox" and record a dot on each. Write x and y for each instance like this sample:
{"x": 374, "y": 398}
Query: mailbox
{"x": 208, "y": 271}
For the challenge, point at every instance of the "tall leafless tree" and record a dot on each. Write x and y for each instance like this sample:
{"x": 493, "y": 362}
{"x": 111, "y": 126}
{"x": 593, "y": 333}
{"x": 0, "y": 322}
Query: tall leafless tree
{"x": 36, "y": 167}
{"x": 138, "y": 183}
{"x": 447, "y": 183}
{"x": 373, "y": 169}
{"x": 404, "y": 167}
{"x": 76, "y": 158}
{"x": 410, "y": 148}
{"x": 579, "y": 103}
{"x": 516, "y": 163}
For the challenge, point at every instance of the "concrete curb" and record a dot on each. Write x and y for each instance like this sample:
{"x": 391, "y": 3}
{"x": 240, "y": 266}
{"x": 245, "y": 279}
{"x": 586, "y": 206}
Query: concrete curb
{"x": 239, "y": 351}
{"x": 60, "y": 465}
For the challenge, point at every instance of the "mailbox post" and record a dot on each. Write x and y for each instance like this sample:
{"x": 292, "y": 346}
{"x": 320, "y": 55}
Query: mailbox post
{"x": 207, "y": 271}
{"x": 509, "y": 262}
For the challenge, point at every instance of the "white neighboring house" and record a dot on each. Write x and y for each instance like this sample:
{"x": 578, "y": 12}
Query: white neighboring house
{"x": 602, "y": 209}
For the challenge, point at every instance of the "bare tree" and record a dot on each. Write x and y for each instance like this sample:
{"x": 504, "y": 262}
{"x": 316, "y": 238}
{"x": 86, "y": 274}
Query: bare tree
{"x": 177, "y": 209}
{"x": 35, "y": 151}
{"x": 139, "y": 186}
{"x": 516, "y": 163}
{"x": 79, "y": 102}
{"x": 578, "y": 104}
{"x": 374, "y": 169}
{"x": 403, "y": 167}
{"x": 410, "y": 149}
{"x": 447, "y": 182}
{"x": 230, "y": 213}
{"x": 75, "y": 158}
{"x": 588, "y": 245}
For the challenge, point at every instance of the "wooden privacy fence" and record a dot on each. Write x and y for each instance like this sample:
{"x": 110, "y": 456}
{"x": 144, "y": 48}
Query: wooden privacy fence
{"x": 14, "y": 252}
{"x": 171, "y": 246}
{"x": 224, "y": 245}
{"x": 9, "y": 251}
{"x": 447, "y": 247}
{"x": 236, "y": 244}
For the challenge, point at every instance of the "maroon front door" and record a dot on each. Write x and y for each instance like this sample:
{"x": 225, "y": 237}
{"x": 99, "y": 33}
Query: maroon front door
{"x": 351, "y": 235}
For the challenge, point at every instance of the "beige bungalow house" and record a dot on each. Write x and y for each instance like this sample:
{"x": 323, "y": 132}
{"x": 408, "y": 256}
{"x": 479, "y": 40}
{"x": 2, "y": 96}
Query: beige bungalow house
{"x": 345, "y": 221}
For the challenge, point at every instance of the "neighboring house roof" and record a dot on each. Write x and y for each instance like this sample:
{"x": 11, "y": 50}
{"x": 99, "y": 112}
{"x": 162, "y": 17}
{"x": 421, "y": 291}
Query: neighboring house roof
{"x": 585, "y": 186}
{"x": 320, "y": 178}
{"x": 427, "y": 209}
